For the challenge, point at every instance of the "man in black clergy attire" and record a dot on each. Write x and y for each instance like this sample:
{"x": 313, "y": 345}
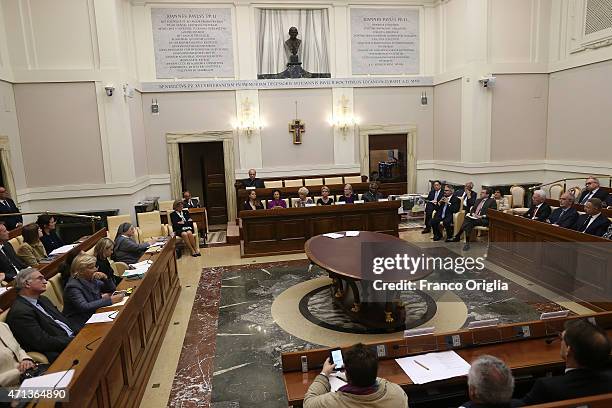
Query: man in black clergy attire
{"x": 8, "y": 206}
{"x": 434, "y": 195}
{"x": 253, "y": 181}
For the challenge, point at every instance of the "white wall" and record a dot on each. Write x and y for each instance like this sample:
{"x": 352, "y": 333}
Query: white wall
{"x": 9, "y": 126}
{"x": 447, "y": 122}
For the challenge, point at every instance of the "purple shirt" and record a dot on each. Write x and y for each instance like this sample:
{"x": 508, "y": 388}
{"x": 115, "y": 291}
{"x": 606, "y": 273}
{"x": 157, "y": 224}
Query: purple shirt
{"x": 276, "y": 203}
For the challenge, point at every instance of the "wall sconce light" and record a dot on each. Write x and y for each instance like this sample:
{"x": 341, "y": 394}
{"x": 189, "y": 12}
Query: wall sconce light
{"x": 247, "y": 123}
{"x": 109, "y": 88}
{"x": 344, "y": 121}
{"x": 424, "y": 98}
{"x": 154, "y": 107}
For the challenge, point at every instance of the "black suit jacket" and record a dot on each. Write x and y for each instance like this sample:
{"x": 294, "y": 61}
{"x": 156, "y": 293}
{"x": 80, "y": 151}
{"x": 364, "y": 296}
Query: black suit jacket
{"x": 602, "y": 195}
{"x": 432, "y": 194}
{"x": 257, "y": 183}
{"x": 609, "y": 200}
{"x": 175, "y": 218}
{"x": 12, "y": 220}
{"x": 471, "y": 199}
{"x": 598, "y": 227}
{"x": 5, "y": 262}
{"x": 573, "y": 384}
{"x": 35, "y": 331}
{"x": 453, "y": 207}
{"x": 542, "y": 214}
{"x": 489, "y": 203}
{"x": 195, "y": 203}
{"x": 568, "y": 220}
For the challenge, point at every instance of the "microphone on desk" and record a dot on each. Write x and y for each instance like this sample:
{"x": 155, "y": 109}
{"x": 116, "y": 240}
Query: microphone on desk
{"x": 92, "y": 342}
{"x": 75, "y": 362}
{"x": 551, "y": 340}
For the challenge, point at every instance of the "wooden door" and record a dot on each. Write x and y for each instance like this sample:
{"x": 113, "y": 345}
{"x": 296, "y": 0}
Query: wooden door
{"x": 203, "y": 173}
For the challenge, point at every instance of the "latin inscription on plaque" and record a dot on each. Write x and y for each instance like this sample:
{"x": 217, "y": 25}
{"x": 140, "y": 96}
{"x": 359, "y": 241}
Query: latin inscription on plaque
{"x": 193, "y": 42}
{"x": 384, "y": 41}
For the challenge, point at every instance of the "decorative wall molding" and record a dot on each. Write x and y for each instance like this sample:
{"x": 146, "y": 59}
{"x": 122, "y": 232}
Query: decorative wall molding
{"x": 91, "y": 190}
{"x": 578, "y": 167}
{"x": 288, "y": 171}
{"x": 174, "y": 162}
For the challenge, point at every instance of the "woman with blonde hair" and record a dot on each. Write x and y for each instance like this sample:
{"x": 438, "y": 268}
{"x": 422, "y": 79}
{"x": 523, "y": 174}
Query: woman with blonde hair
{"x": 304, "y": 199}
{"x": 87, "y": 290}
{"x": 32, "y": 251}
{"x": 325, "y": 198}
{"x": 103, "y": 251}
{"x": 182, "y": 225}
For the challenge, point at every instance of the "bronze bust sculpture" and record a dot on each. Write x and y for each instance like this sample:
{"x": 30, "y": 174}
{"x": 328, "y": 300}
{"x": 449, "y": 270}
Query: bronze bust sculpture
{"x": 293, "y": 43}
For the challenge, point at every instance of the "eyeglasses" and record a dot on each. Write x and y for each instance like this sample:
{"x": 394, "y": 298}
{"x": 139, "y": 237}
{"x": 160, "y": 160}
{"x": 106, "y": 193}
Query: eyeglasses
{"x": 588, "y": 183}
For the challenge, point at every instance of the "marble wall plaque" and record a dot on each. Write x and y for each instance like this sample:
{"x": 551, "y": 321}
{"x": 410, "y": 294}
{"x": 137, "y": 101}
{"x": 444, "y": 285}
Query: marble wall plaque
{"x": 193, "y": 42}
{"x": 384, "y": 41}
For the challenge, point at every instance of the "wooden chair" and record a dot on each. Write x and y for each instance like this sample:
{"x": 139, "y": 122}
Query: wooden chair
{"x": 352, "y": 179}
{"x": 313, "y": 182}
{"x": 518, "y": 200}
{"x": 166, "y": 205}
{"x": 555, "y": 191}
{"x": 575, "y": 191}
{"x": 56, "y": 292}
{"x": 150, "y": 226}
{"x": 333, "y": 180}
{"x": 294, "y": 183}
{"x": 118, "y": 268}
{"x": 273, "y": 183}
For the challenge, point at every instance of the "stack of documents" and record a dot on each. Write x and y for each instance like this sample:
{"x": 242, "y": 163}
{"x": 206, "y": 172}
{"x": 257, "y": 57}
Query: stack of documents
{"x": 139, "y": 269}
{"x": 430, "y": 367}
{"x": 63, "y": 249}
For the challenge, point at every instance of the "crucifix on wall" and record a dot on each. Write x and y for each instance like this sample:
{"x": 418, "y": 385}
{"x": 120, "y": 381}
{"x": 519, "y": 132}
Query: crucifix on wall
{"x": 297, "y": 127}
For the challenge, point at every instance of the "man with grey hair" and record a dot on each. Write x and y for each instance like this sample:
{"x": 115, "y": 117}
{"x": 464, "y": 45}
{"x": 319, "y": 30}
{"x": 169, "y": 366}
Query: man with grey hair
{"x": 592, "y": 190}
{"x": 35, "y": 322}
{"x": 253, "y": 181}
{"x": 592, "y": 222}
{"x": 539, "y": 210}
{"x": 566, "y": 215}
{"x": 490, "y": 384}
{"x": 467, "y": 196}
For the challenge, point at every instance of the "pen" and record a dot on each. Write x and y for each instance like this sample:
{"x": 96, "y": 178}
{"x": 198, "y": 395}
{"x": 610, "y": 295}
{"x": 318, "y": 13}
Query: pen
{"x": 421, "y": 365}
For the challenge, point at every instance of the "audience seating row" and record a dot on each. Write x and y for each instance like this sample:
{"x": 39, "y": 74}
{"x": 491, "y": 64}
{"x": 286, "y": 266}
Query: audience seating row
{"x": 299, "y": 181}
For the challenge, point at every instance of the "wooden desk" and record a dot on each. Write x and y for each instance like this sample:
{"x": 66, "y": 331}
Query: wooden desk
{"x": 525, "y": 356}
{"x": 116, "y": 359}
{"x": 51, "y": 268}
{"x": 574, "y": 264}
{"x": 334, "y": 189}
{"x": 286, "y": 230}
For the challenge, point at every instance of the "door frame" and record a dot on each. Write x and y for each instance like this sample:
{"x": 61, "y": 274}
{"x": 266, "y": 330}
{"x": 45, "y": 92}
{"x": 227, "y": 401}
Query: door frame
{"x": 173, "y": 139}
{"x": 371, "y": 130}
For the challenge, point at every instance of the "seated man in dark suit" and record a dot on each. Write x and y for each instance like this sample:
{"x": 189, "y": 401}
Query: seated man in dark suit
{"x": 585, "y": 349}
{"x": 593, "y": 222}
{"x": 8, "y": 206}
{"x": 10, "y": 263}
{"x": 188, "y": 201}
{"x": 467, "y": 195}
{"x": 539, "y": 210}
{"x": 432, "y": 199}
{"x": 35, "y": 322}
{"x": 592, "y": 190}
{"x": 477, "y": 216}
{"x": 490, "y": 384}
{"x": 253, "y": 181}
{"x": 372, "y": 195}
{"x": 445, "y": 208}
{"x": 566, "y": 215}
{"x": 609, "y": 201}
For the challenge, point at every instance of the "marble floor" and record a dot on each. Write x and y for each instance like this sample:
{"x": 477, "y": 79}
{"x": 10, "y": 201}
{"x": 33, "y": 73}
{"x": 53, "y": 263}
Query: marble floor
{"x": 196, "y": 365}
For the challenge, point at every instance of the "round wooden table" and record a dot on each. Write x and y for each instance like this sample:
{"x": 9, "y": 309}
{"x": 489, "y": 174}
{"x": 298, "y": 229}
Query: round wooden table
{"x": 341, "y": 258}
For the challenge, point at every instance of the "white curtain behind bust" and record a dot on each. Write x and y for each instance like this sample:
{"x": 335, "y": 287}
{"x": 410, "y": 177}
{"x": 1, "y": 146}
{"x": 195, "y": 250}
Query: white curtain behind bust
{"x": 273, "y": 30}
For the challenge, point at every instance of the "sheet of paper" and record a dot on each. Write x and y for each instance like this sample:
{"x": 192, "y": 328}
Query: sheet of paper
{"x": 249, "y": 188}
{"x": 125, "y": 299}
{"x": 2, "y": 289}
{"x": 49, "y": 380}
{"x": 472, "y": 216}
{"x": 335, "y": 383}
{"x": 352, "y": 233}
{"x": 157, "y": 244}
{"x": 102, "y": 317}
{"x": 62, "y": 249}
{"x": 430, "y": 367}
{"x": 136, "y": 271}
{"x": 358, "y": 202}
{"x": 140, "y": 264}
{"x": 333, "y": 235}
